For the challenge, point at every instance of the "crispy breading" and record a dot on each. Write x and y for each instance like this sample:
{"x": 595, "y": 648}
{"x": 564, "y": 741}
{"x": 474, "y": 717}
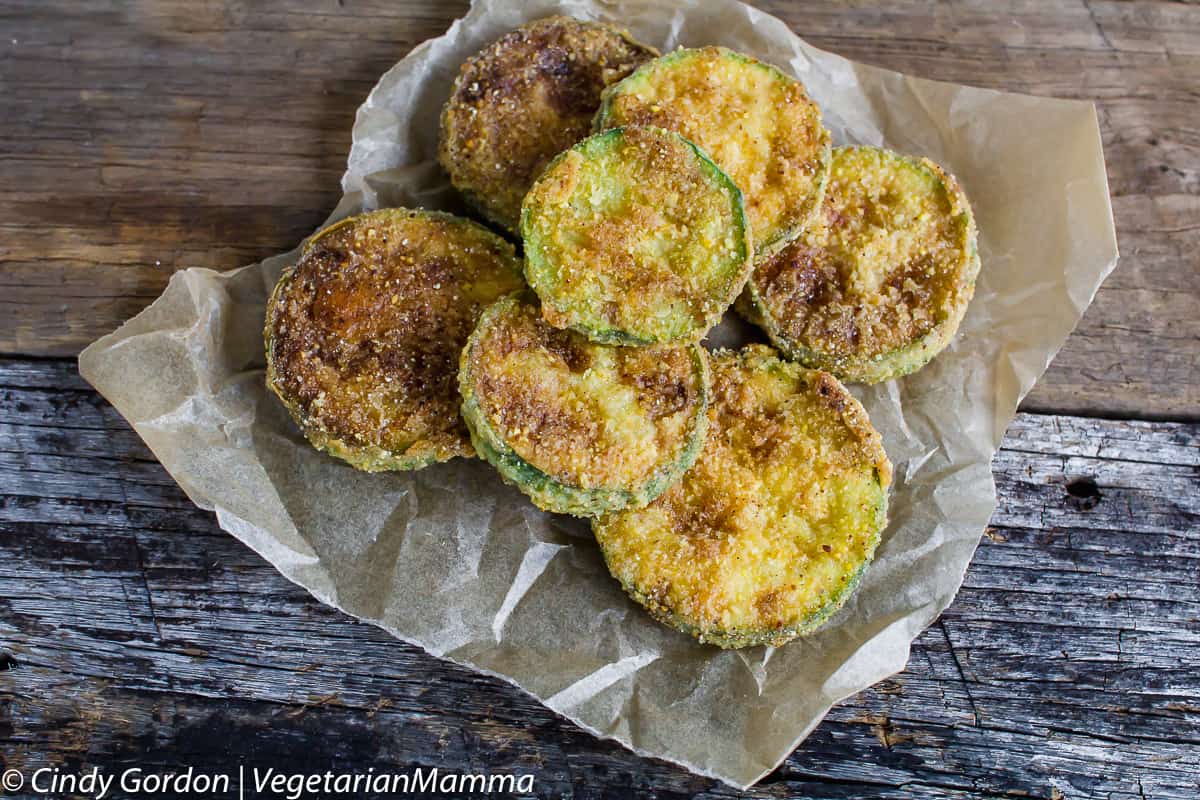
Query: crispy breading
{"x": 877, "y": 286}
{"x": 757, "y": 123}
{"x": 363, "y": 334}
{"x": 770, "y": 531}
{"x": 634, "y": 236}
{"x": 580, "y": 427}
{"x": 523, "y": 100}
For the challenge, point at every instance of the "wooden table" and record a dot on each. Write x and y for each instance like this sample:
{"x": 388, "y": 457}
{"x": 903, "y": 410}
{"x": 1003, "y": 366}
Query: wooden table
{"x": 151, "y": 135}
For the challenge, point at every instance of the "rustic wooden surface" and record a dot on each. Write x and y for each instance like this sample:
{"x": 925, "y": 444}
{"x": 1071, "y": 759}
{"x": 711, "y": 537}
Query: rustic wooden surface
{"x": 142, "y": 137}
{"x": 138, "y": 634}
{"x": 145, "y": 136}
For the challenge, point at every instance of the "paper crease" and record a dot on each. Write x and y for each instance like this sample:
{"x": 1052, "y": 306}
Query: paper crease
{"x": 452, "y": 560}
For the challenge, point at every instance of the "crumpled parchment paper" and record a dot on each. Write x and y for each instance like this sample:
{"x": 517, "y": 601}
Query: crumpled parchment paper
{"x": 452, "y": 560}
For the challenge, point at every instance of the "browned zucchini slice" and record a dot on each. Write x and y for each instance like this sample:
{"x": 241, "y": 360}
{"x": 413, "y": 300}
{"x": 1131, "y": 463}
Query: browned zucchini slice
{"x": 757, "y": 123}
{"x": 582, "y": 428}
{"x": 879, "y": 284}
{"x": 363, "y": 334}
{"x": 523, "y": 100}
{"x": 634, "y": 236}
{"x": 770, "y": 531}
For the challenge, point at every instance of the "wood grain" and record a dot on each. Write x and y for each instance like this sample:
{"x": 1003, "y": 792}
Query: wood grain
{"x": 137, "y": 633}
{"x": 152, "y": 135}
{"x": 149, "y": 135}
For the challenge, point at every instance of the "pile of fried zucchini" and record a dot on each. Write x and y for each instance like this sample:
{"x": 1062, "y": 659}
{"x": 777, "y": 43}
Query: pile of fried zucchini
{"x": 737, "y": 495}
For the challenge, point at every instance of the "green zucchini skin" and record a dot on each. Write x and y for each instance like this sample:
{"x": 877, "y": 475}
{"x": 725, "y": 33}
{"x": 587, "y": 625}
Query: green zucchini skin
{"x": 546, "y": 491}
{"x": 347, "y": 259}
{"x": 704, "y": 560}
{"x": 754, "y": 120}
{"x": 737, "y": 638}
{"x": 614, "y": 288}
{"x": 836, "y": 357}
{"x": 522, "y": 100}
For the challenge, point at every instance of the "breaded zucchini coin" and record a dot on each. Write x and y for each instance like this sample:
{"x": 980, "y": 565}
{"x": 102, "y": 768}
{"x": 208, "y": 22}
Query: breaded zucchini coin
{"x": 363, "y": 334}
{"x": 634, "y": 236}
{"x": 582, "y": 428}
{"x": 771, "y": 530}
{"x": 878, "y": 285}
{"x": 523, "y": 100}
{"x": 756, "y": 122}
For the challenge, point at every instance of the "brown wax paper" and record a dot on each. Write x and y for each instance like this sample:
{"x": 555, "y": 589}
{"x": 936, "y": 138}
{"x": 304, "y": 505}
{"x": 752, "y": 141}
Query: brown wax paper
{"x": 450, "y": 559}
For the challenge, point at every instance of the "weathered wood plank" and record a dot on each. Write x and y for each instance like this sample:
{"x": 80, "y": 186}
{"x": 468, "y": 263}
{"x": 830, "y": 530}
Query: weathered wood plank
{"x": 114, "y": 178}
{"x": 142, "y": 635}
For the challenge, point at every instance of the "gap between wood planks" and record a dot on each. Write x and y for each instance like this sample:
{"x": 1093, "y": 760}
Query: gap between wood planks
{"x": 147, "y": 197}
{"x": 1066, "y": 664}
{"x": 1040, "y": 410}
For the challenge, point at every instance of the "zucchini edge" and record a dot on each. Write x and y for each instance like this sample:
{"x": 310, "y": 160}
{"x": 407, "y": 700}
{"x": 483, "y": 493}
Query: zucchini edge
{"x": 765, "y": 249}
{"x": 903, "y": 360}
{"x": 366, "y": 457}
{"x": 548, "y": 493}
{"x": 601, "y": 334}
{"x": 751, "y": 637}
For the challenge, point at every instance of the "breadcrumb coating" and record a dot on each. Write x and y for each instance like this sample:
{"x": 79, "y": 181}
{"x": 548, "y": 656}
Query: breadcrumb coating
{"x": 523, "y": 100}
{"x": 757, "y": 123}
{"x": 364, "y": 333}
{"x": 878, "y": 285}
{"x": 634, "y": 236}
{"x": 584, "y": 427}
{"x": 771, "y": 529}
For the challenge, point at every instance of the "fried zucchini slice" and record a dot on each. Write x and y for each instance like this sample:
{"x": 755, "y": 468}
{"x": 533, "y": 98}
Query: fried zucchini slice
{"x": 878, "y": 285}
{"x": 582, "y": 428}
{"x": 771, "y": 530}
{"x": 523, "y": 100}
{"x": 757, "y": 123}
{"x": 363, "y": 333}
{"x": 634, "y": 236}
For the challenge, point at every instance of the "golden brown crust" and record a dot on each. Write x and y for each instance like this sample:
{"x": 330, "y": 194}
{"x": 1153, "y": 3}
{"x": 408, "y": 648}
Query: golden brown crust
{"x": 879, "y": 283}
{"x": 364, "y": 333}
{"x": 583, "y": 427}
{"x": 524, "y": 99}
{"x": 634, "y": 236}
{"x": 757, "y": 124}
{"x": 770, "y": 530}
